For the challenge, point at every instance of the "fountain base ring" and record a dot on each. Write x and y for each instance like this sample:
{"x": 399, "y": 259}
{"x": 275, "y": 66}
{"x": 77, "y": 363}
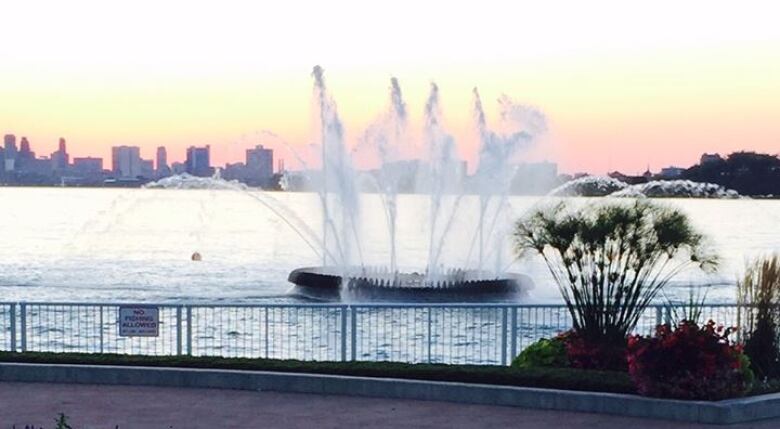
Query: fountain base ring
{"x": 365, "y": 284}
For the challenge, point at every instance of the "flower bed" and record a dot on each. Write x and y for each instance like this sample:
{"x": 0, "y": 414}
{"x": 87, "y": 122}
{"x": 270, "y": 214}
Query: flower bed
{"x": 689, "y": 362}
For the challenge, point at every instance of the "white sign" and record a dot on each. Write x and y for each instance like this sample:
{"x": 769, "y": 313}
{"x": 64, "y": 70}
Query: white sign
{"x": 139, "y": 321}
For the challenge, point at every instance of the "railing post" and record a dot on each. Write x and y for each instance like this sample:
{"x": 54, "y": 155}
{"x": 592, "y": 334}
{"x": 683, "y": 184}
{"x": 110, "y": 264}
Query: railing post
{"x": 430, "y": 336}
{"x": 178, "y": 330}
{"x": 344, "y": 332}
{"x": 267, "y": 346}
{"x": 668, "y": 315}
{"x": 353, "y": 334}
{"x": 513, "y": 338}
{"x": 23, "y": 325}
{"x": 100, "y": 320}
{"x": 504, "y": 334}
{"x": 658, "y": 315}
{"x": 189, "y": 330}
{"x": 12, "y": 315}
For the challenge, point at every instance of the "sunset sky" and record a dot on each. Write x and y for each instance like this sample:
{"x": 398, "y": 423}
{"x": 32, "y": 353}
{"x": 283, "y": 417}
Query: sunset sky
{"x": 623, "y": 86}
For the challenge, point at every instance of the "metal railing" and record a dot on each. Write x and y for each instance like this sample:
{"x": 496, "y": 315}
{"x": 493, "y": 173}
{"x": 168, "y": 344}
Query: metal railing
{"x": 437, "y": 333}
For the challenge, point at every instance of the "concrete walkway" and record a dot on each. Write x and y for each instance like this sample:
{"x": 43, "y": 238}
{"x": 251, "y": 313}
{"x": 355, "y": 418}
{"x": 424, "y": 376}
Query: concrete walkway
{"x": 131, "y": 407}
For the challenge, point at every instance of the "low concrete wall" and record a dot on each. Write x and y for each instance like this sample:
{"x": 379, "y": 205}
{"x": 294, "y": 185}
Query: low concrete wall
{"x": 723, "y": 412}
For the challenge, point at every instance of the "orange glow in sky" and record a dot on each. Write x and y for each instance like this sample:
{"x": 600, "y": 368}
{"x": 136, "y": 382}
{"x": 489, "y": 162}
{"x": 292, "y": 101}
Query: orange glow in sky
{"x": 623, "y": 86}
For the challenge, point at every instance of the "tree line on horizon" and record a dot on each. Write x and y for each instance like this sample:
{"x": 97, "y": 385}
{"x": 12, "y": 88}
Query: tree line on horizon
{"x": 749, "y": 173}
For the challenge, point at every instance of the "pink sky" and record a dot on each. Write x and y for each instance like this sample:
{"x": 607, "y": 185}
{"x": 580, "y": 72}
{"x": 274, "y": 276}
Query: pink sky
{"x": 624, "y": 87}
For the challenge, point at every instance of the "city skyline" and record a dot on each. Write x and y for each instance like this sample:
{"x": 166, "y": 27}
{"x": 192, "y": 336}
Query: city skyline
{"x": 161, "y": 159}
{"x": 645, "y": 97}
{"x": 20, "y": 165}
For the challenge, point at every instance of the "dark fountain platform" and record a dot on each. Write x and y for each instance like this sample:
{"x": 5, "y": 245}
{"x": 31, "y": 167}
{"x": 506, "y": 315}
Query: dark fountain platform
{"x": 332, "y": 283}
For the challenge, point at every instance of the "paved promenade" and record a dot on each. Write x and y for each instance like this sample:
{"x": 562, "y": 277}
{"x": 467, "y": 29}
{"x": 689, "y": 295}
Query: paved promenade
{"x": 134, "y": 407}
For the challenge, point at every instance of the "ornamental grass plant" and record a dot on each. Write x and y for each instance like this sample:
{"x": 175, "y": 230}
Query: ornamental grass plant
{"x": 758, "y": 296}
{"x": 609, "y": 261}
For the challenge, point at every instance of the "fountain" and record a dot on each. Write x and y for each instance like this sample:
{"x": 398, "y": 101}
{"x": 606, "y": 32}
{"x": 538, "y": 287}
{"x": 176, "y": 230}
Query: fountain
{"x": 441, "y": 177}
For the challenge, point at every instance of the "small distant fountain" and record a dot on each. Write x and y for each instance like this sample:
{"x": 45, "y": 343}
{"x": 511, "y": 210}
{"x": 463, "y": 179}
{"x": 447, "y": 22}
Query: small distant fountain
{"x": 589, "y": 186}
{"x": 676, "y": 189}
{"x": 598, "y": 186}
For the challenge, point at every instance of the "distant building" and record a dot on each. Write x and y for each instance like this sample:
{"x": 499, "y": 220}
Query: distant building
{"x": 178, "y": 168}
{"x": 126, "y": 162}
{"x": 234, "y": 171}
{"x": 564, "y": 177}
{"x": 536, "y": 178}
{"x": 198, "y": 161}
{"x": 60, "y": 160}
{"x": 9, "y": 144}
{"x": 87, "y": 165}
{"x": 631, "y": 180}
{"x": 27, "y": 169}
{"x": 24, "y": 150}
{"x": 707, "y": 158}
{"x": 35, "y": 171}
{"x": 25, "y": 155}
{"x": 401, "y": 174}
{"x": 147, "y": 168}
{"x": 259, "y": 164}
{"x": 163, "y": 170}
{"x": 671, "y": 173}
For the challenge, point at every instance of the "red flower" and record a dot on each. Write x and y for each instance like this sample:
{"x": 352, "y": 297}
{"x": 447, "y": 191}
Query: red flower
{"x": 688, "y": 362}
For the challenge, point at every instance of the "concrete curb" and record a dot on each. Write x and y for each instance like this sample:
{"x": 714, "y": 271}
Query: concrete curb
{"x": 723, "y": 412}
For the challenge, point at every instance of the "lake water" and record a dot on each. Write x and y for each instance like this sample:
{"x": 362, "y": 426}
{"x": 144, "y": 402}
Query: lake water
{"x": 135, "y": 244}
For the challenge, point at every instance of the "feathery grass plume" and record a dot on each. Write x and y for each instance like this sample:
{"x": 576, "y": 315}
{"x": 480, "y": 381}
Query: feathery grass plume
{"x": 758, "y": 296}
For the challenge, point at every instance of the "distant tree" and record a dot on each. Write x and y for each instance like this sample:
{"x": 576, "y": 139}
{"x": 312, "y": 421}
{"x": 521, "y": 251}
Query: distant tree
{"x": 748, "y": 173}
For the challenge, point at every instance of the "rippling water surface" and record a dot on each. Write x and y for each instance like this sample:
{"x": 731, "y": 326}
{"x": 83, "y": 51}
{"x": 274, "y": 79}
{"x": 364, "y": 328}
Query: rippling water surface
{"x": 135, "y": 244}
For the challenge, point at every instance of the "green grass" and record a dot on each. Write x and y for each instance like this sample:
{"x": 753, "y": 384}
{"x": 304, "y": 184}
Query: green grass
{"x": 551, "y": 378}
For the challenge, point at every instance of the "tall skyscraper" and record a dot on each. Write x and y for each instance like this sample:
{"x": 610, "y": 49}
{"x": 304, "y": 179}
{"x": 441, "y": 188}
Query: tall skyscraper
{"x": 259, "y": 163}
{"x": 24, "y": 146}
{"x": 25, "y": 154}
{"x": 126, "y": 162}
{"x": 162, "y": 159}
{"x": 199, "y": 161}
{"x": 9, "y": 144}
{"x": 60, "y": 159}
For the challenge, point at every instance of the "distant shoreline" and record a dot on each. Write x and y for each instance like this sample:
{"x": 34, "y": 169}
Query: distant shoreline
{"x": 16, "y": 185}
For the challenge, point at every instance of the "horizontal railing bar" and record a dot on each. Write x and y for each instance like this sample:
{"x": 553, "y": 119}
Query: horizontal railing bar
{"x": 335, "y": 305}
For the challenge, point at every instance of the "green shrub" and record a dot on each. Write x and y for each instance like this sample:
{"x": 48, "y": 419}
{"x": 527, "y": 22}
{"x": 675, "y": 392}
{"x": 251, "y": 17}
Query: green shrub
{"x": 543, "y": 353}
{"x": 550, "y": 378}
{"x": 748, "y": 375}
{"x": 62, "y": 422}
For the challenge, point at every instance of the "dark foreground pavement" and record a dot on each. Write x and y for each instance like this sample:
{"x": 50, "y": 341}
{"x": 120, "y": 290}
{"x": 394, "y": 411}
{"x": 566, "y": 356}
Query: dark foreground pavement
{"x": 131, "y": 407}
